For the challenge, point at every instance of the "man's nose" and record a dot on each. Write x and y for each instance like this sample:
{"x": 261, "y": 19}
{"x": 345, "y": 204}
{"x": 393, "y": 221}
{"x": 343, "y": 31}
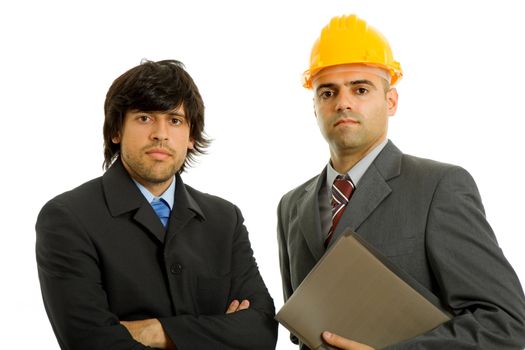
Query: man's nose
{"x": 160, "y": 130}
{"x": 344, "y": 101}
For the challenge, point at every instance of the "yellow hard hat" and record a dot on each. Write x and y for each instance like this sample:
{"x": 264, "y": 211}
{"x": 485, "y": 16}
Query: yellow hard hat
{"x": 346, "y": 40}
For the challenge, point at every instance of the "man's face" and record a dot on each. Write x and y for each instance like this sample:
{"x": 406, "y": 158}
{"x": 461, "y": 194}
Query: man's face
{"x": 352, "y": 108}
{"x": 153, "y": 146}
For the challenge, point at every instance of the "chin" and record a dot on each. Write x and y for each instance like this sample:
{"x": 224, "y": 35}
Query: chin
{"x": 158, "y": 177}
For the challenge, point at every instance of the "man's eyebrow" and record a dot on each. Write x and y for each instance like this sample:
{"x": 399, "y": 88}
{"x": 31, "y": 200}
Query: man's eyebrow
{"x": 360, "y": 82}
{"x": 348, "y": 83}
{"x": 176, "y": 114}
{"x": 326, "y": 86}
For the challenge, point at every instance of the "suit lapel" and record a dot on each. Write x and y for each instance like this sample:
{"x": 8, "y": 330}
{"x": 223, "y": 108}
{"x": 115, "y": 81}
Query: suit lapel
{"x": 310, "y": 222}
{"x": 151, "y": 222}
{"x": 123, "y": 196}
{"x": 184, "y": 209}
{"x": 371, "y": 190}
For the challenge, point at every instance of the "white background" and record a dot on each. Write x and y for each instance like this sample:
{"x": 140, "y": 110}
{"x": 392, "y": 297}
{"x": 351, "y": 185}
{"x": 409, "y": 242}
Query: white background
{"x": 461, "y": 101}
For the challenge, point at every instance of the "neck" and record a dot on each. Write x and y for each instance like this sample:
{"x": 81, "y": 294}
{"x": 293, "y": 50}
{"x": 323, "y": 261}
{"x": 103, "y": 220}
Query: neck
{"x": 345, "y": 159}
{"x": 343, "y": 163}
{"x": 157, "y": 189}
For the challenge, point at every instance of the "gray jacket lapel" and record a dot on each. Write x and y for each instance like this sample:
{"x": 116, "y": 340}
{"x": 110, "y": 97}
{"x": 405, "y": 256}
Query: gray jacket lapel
{"x": 308, "y": 212}
{"x": 371, "y": 190}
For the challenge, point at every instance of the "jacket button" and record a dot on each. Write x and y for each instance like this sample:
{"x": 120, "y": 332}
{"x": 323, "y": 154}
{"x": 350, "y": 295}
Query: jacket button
{"x": 176, "y": 269}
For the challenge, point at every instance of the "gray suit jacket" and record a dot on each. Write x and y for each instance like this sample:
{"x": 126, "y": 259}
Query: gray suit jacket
{"x": 428, "y": 219}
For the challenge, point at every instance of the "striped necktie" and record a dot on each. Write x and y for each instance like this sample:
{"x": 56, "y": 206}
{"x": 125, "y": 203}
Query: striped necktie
{"x": 342, "y": 190}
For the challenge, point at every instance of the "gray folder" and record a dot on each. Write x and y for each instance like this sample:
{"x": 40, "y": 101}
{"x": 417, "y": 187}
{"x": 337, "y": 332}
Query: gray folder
{"x": 357, "y": 293}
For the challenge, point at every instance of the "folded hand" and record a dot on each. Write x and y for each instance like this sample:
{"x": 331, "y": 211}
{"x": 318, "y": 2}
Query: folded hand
{"x": 235, "y": 306}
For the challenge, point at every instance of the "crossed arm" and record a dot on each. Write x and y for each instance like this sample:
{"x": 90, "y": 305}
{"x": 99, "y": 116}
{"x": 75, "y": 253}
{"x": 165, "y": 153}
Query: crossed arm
{"x": 81, "y": 311}
{"x": 150, "y": 332}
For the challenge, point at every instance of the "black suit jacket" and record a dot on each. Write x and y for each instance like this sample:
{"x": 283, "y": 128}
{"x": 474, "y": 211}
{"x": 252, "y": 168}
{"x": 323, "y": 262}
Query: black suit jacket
{"x": 104, "y": 256}
{"x": 428, "y": 219}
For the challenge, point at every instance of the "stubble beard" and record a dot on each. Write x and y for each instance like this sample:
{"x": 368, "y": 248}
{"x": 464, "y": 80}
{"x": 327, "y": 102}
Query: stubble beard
{"x": 346, "y": 137}
{"x": 343, "y": 144}
{"x": 156, "y": 172}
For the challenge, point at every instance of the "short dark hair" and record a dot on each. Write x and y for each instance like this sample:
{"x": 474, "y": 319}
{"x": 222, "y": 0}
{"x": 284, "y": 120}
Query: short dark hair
{"x": 154, "y": 87}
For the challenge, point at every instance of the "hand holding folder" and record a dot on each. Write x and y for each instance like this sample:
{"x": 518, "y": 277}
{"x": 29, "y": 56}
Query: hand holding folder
{"x": 356, "y": 293}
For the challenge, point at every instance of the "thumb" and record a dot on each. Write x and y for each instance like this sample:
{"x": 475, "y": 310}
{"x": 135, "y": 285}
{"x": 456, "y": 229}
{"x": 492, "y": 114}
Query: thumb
{"x": 343, "y": 343}
{"x": 338, "y": 341}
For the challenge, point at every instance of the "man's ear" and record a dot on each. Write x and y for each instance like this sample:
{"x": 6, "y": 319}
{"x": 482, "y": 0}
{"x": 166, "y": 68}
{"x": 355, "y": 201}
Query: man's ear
{"x": 116, "y": 138}
{"x": 391, "y": 101}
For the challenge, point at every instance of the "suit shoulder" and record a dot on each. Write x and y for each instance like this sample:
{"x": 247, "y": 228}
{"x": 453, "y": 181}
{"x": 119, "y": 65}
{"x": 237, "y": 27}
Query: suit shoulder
{"x": 209, "y": 202}
{"x": 426, "y": 164}
{"x": 432, "y": 169}
{"x": 79, "y": 195}
{"x": 298, "y": 191}
{"x": 75, "y": 202}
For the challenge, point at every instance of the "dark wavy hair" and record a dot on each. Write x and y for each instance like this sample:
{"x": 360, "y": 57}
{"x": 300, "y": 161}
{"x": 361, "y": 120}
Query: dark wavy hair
{"x": 154, "y": 87}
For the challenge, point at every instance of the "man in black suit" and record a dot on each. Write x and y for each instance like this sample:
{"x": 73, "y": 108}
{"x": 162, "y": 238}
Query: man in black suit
{"x": 114, "y": 274}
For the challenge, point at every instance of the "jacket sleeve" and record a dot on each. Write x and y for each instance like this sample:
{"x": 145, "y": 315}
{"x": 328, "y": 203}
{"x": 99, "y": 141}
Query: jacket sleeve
{"x": 71, "y": 284}
{"x": 474, "y": 277}
{"x": 284, "y": 261}
{"x": 253, "y": 328}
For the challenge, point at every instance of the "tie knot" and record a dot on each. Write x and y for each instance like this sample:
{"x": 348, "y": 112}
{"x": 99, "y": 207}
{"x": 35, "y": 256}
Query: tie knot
{"x": 162, "y": 209}
{"x": 342, "y": 188}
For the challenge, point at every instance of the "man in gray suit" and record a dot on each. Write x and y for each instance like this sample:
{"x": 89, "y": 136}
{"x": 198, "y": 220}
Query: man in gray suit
{"x": 425, "y": 216}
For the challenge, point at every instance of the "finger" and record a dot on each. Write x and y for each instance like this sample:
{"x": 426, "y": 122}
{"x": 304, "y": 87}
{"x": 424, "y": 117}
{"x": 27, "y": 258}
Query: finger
{"x": 245, "y": 304}
{"x": 233, "y": 306}
{"x": 343, "y": 343}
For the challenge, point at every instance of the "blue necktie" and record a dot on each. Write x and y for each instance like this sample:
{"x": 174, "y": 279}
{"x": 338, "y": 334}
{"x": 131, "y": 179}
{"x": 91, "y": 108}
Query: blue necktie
{"x": 162, "y": 209}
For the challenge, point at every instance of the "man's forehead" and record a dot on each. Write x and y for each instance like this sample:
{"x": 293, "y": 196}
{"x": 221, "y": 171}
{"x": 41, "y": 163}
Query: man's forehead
{"x": 344, "y": 69}
{"x": 178, "y": 110}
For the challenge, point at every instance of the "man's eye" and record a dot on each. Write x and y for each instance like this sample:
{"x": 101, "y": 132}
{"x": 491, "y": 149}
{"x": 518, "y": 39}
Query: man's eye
{"x": 361, "y": 91}
{"x": 176, "y": 121}
{"x": 144, "y": 118}
{"x": 326, "y": 94}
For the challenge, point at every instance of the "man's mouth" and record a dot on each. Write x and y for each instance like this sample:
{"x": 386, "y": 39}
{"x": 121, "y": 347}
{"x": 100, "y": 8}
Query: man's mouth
{"x": 158, "y": 153}
{"x": 346, "y": 121}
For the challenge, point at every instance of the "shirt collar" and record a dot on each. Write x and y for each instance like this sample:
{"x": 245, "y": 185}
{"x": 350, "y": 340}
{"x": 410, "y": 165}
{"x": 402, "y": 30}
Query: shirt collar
{"x": 358, "y": 170}
{"x": 168, "y": 195}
